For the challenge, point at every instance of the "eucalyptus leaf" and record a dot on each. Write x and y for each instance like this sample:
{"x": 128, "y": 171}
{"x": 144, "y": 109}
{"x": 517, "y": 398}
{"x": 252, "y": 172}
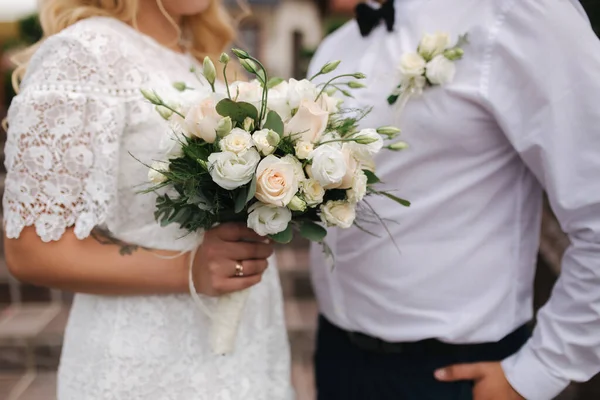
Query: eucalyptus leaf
{"x": 251, "y": 190}
{"x": 398, "y": 200}
{"x": 371, "y": 177}
{"x": 274, "y": 123}
{"x": 237, "y": 111}
{"x": 240, "y": 199}
{"x": 285, "y": 236}
{"x": 312, "y": 231}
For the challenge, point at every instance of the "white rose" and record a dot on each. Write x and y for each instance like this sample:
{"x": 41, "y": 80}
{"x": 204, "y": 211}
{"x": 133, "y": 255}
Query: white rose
{"x": 433, "y": 45}
{"x": 261, "y": 141}
{"x": 249, "y": 92}
{"x": 230, "y": 170}
{"x": 297, "y": 165}
{"x": 202, "y": 119}
{"x": 266, "y": 220}
{"x": 308, "y": 124}
{"x": 276, "y": 182}
{"x": 238, "y": 141}
{"x": 299, "y": 91}
{"x": 171, "y": 145}
{"x": 313, "y": 192}
{"x": 278, "y": 101}
{"x": 362, "y": 155}
{"x": 359, "y": 187}
{"x": 412, "y": 65}
{"x": 440, "y": 70}
{"x": 352, "y": 166}
{"x": 154, "y": 173}
{"x": 328, "y": 166}
{"x": 370, "y": 135}
{"x": 338, "y": 213}
{"x": 303, "y": 150}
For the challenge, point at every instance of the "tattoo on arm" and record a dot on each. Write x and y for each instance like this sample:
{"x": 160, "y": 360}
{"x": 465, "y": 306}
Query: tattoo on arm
{"x": 102, "y": 236}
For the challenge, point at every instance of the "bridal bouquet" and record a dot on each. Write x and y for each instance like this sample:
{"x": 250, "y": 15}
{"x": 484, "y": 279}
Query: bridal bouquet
{"x": 281, "y": 156}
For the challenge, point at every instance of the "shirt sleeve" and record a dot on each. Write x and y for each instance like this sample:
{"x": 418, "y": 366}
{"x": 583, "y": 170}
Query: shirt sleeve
{"x": 542, "y": 83}
{"x": 62, "y": 146}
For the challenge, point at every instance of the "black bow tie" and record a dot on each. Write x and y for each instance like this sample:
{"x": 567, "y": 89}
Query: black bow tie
{"x": 369, "y": 17}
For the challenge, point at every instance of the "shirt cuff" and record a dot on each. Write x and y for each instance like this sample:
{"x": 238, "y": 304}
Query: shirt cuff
{"x": 530, "y": 378}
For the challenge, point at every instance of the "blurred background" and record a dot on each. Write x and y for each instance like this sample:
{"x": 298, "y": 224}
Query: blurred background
{"x": 284, "y": 35}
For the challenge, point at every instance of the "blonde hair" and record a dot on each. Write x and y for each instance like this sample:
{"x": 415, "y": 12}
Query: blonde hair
{"x": 208, "y": 33}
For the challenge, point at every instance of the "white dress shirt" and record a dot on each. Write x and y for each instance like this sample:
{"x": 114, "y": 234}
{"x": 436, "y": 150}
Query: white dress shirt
{"x": 521, "y": 116}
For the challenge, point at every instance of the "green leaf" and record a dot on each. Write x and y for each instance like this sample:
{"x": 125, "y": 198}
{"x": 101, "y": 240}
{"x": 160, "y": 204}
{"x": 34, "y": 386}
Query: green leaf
{"x": 285, "y": 236}
{"x": 392, "y": 99}
{"x": 251, "y": 190}
{"x": 398, "y": 200}
{"x": 312, "y": 231}
{"x": 240, "y": 199}
{"x": 274, "y": 123}
{"x": 238, "y": 112}
{"x": 371, "y": 177}
{"x": 273, "y": 82}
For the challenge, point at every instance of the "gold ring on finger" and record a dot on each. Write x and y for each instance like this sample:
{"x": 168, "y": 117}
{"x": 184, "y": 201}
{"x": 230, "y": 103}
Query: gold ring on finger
{"x": 239, "y": 270}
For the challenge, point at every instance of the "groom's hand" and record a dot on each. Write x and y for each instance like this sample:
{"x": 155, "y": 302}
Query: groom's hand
{"x": 490, "y": 383}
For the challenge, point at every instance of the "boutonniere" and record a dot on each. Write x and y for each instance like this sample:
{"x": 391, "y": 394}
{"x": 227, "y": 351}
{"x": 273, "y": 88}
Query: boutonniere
{"x": 432, "y": 64}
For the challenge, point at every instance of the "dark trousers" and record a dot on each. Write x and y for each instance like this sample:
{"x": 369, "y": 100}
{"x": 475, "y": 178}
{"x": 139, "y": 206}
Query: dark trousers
{"x": 346, "y": 370}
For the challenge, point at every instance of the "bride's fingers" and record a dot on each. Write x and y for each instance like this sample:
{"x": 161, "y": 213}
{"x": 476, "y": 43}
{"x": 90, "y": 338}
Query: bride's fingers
{"x": 252, "y": 267}
{"x": 239, "y": 283}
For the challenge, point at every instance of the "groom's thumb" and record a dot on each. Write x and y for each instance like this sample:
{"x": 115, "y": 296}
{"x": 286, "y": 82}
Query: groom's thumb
{"x": 461, "y": 372}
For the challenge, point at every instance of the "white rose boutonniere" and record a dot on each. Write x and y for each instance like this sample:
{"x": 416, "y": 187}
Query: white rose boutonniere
{"x": 432, "y": 64}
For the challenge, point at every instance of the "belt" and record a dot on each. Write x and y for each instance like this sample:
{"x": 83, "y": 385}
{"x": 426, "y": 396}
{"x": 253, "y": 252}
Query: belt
{"x": 509, "y": 344}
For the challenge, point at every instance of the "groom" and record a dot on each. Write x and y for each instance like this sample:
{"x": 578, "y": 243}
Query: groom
{"x": 444, "y": 316}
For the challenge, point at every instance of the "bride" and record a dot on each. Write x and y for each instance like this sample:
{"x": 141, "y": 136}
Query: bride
{"x": 74, "y": 220}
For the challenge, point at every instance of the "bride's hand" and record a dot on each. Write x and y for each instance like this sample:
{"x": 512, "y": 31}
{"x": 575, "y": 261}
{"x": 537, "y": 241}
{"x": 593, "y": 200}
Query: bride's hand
{"x": 223, "y": 248}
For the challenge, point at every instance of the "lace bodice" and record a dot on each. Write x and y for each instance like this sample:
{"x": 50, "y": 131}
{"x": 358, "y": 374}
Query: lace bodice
{"x": 75, "y": 131}
{"x": 77, "y": 127}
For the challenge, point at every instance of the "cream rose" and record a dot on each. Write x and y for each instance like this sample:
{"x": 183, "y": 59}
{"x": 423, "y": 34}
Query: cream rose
{"x": 359, "y": 187}
{"x": 434, "y": 44}
{"x": 266, "y": 220}
{"x": 440, "y": 70}
{"x": 351, "y": 167}
{"x": 238, "y": 141}
{"x": 312, "y": 191}
{"x": 155, "y": 174}
{"x": 303, "y": 150}
{"x": 338, "y": 213}
{"x": 328, "y": 166}
{"x": 265, "y": 141}
{"x": 362, "y": 156}
{"x": 299, "y": 91}
{"x": 202, "y": 119}
{"x": 412, "y": 65}
{"x": 329, "y": 103}
{"x": 308, "y": 124}
{"x": 230, "y": 170}
{"x": 276, "y": 181}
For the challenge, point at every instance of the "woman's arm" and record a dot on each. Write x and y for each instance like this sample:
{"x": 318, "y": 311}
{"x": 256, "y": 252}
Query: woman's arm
{"x": 98, "y": 264}
{"x": 101, "y": 264}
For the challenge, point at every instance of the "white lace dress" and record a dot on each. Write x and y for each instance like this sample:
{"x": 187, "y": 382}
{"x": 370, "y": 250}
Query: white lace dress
{"x": 72, "y": 128}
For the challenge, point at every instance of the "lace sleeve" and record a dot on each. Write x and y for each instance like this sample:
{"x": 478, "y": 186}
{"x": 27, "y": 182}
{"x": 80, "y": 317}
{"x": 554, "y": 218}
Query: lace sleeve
{"x": 62, "y": 149}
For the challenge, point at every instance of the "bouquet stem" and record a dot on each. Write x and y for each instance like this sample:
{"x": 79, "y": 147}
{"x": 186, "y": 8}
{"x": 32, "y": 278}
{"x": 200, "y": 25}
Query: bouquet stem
{"x": 225, "y": 324}
{"x": 225, "y": 321}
